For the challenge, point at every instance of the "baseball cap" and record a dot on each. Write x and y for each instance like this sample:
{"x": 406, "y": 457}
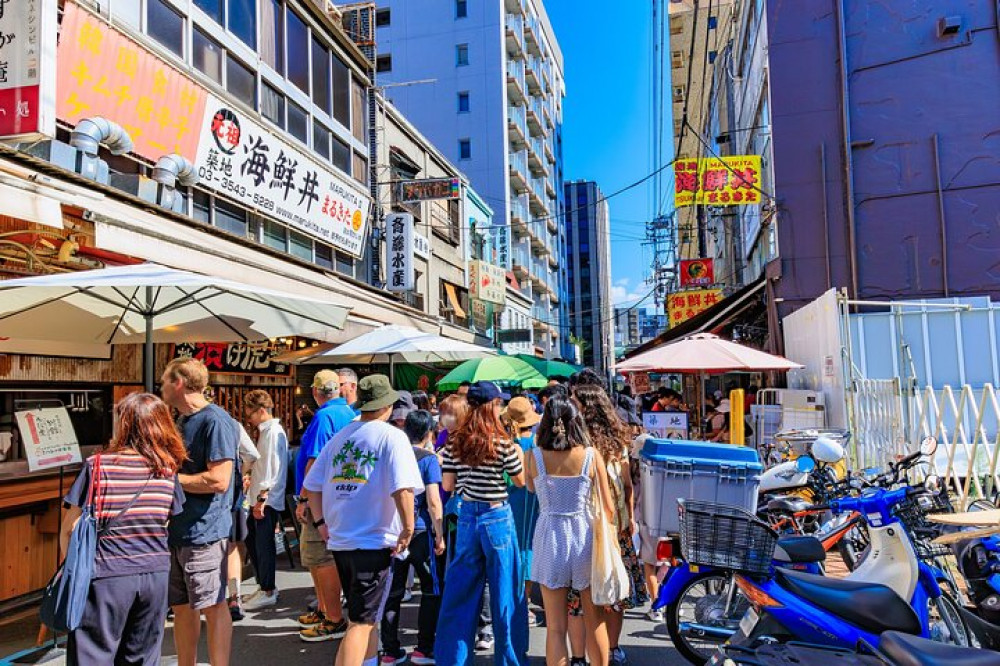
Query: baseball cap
{"x": 375, "y": 392}
{"x": 483, "y": 392}
{"x": 325, "y": 378}
{"x": 522, "y": 413}
{"x": 403, "y": 406}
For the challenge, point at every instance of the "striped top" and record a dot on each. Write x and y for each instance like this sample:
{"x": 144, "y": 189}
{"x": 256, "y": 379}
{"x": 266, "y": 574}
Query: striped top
{"x": 485, "y": 483}
{"x": 137, "y": 543}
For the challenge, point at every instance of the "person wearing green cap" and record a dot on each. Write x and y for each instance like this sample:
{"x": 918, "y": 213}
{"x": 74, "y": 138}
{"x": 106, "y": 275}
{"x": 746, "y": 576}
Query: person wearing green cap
{"x": 362, "y": 487}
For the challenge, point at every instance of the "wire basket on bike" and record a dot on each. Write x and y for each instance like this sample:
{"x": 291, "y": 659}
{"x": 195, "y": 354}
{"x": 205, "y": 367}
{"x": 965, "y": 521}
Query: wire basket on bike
{"x": 913, "y": 512}
{"x": 724, "y": 536}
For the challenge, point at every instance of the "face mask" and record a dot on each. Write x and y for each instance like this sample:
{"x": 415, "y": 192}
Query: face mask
{"x": 447, "y": 422}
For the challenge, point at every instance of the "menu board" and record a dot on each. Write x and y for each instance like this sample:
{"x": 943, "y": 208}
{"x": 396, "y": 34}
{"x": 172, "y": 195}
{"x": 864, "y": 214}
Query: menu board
{"x": 49, "y": 438}
{"x": 666, "y": 425}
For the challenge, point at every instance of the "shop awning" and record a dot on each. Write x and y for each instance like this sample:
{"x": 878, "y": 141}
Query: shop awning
{"x": 710, "y": 320}
{"x": 26, "y": 195}
{"x": 454, "y": 300}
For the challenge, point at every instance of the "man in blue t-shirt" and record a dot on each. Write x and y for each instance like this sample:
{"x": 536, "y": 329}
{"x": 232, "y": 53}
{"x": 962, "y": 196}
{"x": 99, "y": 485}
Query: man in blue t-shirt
{"x": 331, "y": 416}
{"x": 199, "y": 535}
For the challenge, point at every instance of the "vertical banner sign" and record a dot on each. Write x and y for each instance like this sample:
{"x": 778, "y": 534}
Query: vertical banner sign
{"x": 27, "y": 67}
{"x": 421, "y": 245}
{"x": 697, "y": 272}
{"x": 48, "y": 436}
{"x": 399, "y": 252}
{"x": 501, "y": 241}
{"x": 713, "y": 181}
{"x": 683, "y": 305}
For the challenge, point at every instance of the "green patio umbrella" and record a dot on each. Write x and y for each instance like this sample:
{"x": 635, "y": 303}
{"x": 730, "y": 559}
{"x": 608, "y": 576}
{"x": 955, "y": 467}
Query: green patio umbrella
{"x": 501, "y": 370}
{"x": 549, "y": 368}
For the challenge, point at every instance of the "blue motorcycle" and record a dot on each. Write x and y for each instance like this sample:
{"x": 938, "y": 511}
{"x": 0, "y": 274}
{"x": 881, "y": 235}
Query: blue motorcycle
{"x": 890, "y": 591}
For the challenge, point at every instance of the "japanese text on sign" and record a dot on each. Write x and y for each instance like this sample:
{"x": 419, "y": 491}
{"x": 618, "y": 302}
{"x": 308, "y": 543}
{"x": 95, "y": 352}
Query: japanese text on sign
{"x": 235, "y": 358}
{"x": 726, "y": 181}
{"x": 49, "y": 438}
{"x": 683, "y": 305}
{"x": 666, "y": 425}
{"x": 101, "y": 72}
{"x": 421, "y": 245}
{"x": 239, "y": 158}
{"x": 27, "y": 76}
{"x": 487, "y": 282}
{"x": 399, "y": 273}
{"x": 435, "y": 188}
{"x": 697, "y": 272}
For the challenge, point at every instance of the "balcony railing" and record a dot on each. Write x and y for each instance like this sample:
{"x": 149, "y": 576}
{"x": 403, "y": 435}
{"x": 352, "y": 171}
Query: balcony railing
{"x": 519, "y": 215}
{"x": 515, "y": 80}
{"x": 519, "y": 170}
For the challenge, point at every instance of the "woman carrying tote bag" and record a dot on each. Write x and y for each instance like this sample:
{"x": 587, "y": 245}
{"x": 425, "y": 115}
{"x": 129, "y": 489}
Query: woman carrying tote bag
{"x": 134, "y": 493}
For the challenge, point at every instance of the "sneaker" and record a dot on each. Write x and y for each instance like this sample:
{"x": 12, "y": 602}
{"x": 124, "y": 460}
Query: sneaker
{"x": 485, "y": 642}
{"x": 618, "y": 657}
{"x": 407, "y": 596}
{"x": 578, "y": 661}
{"x": 418, "y": 658}
{"x": 655, "y": 615}
{"x": 260, "y": 599}
{"x": 235, "y": 611}
{"x": 311, "y": 619}
{"x": 326, "y": 631}
{"x": 389, "y": 659}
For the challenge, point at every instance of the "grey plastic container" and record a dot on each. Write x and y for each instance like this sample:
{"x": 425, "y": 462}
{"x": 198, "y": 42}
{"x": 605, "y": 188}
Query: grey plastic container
{"x": 706, "y": 471}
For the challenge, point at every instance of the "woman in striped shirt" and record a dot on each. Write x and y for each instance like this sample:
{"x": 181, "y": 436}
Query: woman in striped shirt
{"x": 135, "y": 492}
{"x": 477, "y": 462}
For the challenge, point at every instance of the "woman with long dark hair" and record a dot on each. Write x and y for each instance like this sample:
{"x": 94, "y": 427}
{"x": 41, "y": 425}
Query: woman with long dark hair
{"x": 135, "y": 491}
{"x": 564, "y": 471}
{"x": 475, "y": 461}
{"x": 611, "y": 436}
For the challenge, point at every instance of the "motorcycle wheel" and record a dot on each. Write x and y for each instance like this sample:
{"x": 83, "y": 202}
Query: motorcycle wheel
{"x": 853, "y": 548}
{"x": 703, "y": 601}
{"x": 946, "y": 623}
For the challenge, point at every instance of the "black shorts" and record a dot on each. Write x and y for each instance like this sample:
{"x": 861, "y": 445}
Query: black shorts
{"x": 365, "y": 577}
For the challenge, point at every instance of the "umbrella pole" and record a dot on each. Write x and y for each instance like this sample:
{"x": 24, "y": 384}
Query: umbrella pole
{"x": 392, "y": 370}
{"x": 147, "y": 371}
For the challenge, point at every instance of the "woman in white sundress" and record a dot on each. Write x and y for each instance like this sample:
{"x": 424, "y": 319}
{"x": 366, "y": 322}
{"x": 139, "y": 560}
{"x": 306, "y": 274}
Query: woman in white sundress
{"x": 562, "y": 471}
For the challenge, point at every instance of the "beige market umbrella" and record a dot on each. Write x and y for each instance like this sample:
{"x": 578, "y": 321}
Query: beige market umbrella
{"x": 705, "y": 353}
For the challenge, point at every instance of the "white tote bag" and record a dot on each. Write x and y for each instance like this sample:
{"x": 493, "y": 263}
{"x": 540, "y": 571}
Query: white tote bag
{"x": 609, "y": 582}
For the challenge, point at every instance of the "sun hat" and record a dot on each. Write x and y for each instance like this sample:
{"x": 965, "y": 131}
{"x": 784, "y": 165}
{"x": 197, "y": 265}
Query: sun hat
{"x": 522, "y": 413}
{"x": 724, "y": 407}
{"x": 375, "y": 392}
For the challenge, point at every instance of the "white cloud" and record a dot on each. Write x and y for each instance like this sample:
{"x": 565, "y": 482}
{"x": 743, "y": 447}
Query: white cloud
{"x": 621, "y": 295}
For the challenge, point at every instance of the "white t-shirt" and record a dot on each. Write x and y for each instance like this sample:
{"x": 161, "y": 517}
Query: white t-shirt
{"x": 357, "y": 472}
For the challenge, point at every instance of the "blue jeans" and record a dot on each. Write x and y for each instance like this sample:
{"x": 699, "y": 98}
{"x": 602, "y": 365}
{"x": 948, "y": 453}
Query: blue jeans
{"x": 485, "y": 550}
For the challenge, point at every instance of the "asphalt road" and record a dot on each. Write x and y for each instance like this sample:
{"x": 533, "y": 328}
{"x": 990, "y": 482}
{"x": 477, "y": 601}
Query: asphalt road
{"x": 271, "y": 636}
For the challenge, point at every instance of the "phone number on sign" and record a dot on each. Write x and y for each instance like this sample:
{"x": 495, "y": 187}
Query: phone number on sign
{"x": 229, "y": 185}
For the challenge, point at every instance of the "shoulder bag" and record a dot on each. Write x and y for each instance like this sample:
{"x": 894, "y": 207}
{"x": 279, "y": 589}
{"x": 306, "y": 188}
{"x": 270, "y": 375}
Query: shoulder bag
{"x": 66, "y": 594}
{"x": 609, "y": 582}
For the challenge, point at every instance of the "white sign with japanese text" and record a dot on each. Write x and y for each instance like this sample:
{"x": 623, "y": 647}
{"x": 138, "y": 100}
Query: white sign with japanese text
{"x": 399, "y": 273}
{"x": 48, "y": 437}
{"x": 487, "y": 282}
{"x": 666, "y": 425}
{"x": 421, "y": 245}
{"x": 239, "y": 158}
{"x": 27, "y": 67}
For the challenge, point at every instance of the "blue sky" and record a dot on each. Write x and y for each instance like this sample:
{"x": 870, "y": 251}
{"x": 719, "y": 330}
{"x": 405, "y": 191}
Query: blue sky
{"x": 606, "y": 121}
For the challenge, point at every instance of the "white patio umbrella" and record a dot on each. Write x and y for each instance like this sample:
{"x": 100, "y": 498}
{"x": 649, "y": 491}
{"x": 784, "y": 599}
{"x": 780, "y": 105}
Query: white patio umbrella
{"x": 148, "y": 303}
{"x": 705, "y": 353}
{"x": 391, "y": 344}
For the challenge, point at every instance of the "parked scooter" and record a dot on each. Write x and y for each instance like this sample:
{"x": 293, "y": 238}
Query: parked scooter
{"x": 890, "y": 591}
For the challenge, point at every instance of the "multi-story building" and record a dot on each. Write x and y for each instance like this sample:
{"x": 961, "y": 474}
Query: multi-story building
{"x": 588, "y": 262}
{"x": 484, "y": 82}
{"x": 626, "y": 327}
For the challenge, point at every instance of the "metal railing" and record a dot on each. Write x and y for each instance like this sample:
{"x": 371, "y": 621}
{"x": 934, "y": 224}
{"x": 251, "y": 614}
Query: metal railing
{"x": 519, "y": 208}
{"x": 515, "y": 70}
{"x": 519, "y": 162}
{"x": 519, "y": 116}
{"x": 515, "y": 24}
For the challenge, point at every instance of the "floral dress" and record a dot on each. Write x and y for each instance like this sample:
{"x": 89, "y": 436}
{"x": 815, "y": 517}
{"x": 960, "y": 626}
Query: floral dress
{"x": 637, "y": 595}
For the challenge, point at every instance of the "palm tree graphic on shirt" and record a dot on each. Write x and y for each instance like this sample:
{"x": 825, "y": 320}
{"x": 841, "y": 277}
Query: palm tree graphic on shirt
{"x": 352, "y": 465}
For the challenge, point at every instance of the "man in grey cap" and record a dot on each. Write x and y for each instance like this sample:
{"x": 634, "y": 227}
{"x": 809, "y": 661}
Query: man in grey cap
{"x": 362, "y": 486}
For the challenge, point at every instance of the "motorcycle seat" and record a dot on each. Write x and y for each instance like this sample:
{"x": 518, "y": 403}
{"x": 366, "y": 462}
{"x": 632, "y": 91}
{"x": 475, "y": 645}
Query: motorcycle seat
{"x": 905, "y": 650}
{"x": 788, "y": 504}
{"x": 872, "y": 607}
{"x": 799, "y": 550}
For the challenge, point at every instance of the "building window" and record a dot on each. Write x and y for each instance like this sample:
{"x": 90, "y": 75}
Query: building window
{"x": 298, "y": 122}
{"x": 461, "y": 8}
{"x": 272, "y": 105}
{"x": 324, "y": 256}
{"x": 462, "y": 55}
{"x": 345, "y": 263}
{"x": 359, "y": 108}
{"x": 300, "y": 245}
{"x": 201, "y": 206}
{"x": 465, "y": 149}
{"x": 230, "y": 218}
{"x": 321, "y": 140}
{"x": 275, "y": 235}
{"x": 211, "y": 7}
{"x": 383, "y": 63}
{"x": 207, "y": 55}
{"x": 243, "y": 21}
{"x": 241, "y": 81}
{"x": 713, "y": 22}
{"x": 341, "y": 92}
{"x": 165, "y": 26}
{"x": 298, "y": 52}
{"x": 382, "y": 17}
{"x": 341, "y": 157}
{"x": 463, "y": 102}
{"x": 272, "y": 34}
{"x": 321, "y": 75}
{"x": 360, "y": 168}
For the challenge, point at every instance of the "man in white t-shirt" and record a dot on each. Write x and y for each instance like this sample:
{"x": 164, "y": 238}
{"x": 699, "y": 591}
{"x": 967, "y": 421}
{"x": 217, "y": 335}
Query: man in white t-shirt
{"x": 363, "y": 484}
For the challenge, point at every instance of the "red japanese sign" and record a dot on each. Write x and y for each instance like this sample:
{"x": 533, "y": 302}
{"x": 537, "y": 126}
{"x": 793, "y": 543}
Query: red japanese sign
{"x": 697, "y": 272}
{"x": 101, "y": 72}
{"x": 683, "y": 305}
{"x": 27, "y": 70}
{"x": 726, "y": 181}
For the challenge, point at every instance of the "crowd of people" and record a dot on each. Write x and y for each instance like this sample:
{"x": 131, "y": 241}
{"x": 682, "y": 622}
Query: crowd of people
{"x": 489, "y": 501}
